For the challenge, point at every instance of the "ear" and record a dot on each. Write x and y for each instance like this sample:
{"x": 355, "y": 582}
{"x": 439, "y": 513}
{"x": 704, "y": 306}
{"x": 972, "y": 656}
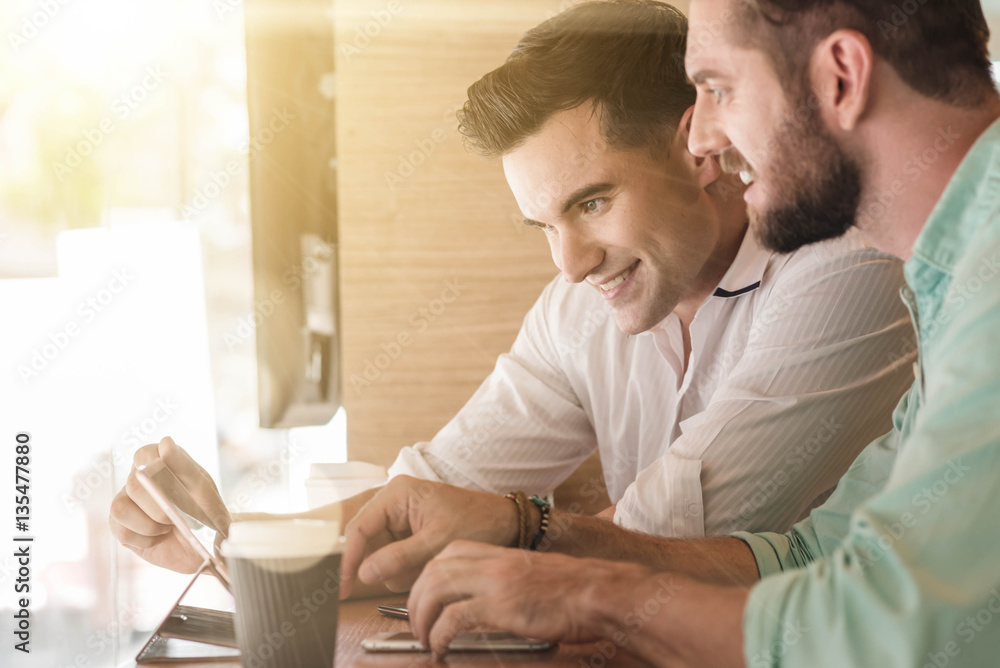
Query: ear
{"x": 706, "y": 169}
{"x": 841, "y": 71}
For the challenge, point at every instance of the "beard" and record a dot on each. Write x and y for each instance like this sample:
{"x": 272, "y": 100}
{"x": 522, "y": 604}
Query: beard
{"x": 816, "y": 186}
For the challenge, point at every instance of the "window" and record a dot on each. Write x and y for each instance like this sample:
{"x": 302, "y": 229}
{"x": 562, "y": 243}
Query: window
{"x": 126, "y": 285}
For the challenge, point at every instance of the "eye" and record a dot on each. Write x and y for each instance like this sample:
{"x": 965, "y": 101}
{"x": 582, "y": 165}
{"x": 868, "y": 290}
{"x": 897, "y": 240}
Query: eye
{"x": 593, "y": 205}
{"x": 718, "y": 93}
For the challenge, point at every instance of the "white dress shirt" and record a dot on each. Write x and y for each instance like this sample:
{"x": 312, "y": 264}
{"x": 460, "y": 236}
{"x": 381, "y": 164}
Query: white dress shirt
{"x": 796, "y": 364}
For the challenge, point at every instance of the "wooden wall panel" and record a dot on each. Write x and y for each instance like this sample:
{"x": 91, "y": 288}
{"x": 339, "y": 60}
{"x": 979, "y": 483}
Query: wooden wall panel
{"x": 418, "y": 214}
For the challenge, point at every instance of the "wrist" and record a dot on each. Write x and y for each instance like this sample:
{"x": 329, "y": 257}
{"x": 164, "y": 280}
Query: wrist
{"x": 617, "y": 604}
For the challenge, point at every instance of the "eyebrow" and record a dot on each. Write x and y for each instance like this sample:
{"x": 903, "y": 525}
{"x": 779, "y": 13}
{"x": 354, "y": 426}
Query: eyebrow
{"x": 703, "y": 75}
{"x": 580, "y": 195}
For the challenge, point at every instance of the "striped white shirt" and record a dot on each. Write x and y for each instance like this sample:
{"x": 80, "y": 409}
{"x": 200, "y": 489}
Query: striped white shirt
{"x": 796, "y": 364}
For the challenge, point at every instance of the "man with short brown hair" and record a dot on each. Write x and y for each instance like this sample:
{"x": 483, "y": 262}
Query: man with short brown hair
{"x": 901, "y": 566}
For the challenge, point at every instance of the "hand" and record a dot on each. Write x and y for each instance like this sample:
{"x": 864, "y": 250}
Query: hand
{"x": 409, "y": 521}
{"x": 545, "y": 596}
{"x": 139, "y": 524}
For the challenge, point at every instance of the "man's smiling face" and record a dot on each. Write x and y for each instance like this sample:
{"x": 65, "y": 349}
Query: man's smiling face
{"x": 804, "y": 188}
{"x": 633, "y": 226}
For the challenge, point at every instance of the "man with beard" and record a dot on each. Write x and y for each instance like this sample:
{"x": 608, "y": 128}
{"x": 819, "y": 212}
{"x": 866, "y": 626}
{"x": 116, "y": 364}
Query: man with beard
{"x": 839, "y": 112}
{"x": 726, "y": 386}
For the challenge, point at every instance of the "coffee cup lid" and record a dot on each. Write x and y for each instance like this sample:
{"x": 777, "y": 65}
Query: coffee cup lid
{"x": 266, "y": 539}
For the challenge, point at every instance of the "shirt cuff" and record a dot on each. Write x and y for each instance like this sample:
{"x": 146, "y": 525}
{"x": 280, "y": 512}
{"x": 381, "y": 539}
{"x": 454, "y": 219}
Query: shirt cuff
{"x": 665, "y": 499}
{"x": 770, "y": 550}
{"x": 412, "y": 463}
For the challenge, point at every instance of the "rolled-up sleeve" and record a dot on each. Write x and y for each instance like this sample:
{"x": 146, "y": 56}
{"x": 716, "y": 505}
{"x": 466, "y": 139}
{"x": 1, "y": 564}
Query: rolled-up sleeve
{"x": 524, "y": 428}
{"x": 823, "y": 367}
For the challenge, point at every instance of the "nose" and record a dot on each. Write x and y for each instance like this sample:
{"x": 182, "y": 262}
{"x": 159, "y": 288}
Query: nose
{"x": 575, "y": 255}
{"x": 706, "y": 136}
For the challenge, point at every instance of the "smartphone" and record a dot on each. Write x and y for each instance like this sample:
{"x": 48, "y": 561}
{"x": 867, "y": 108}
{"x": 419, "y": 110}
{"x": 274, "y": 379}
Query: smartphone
{"x": 463, "y": 642}
{"x": 395, "y": 611}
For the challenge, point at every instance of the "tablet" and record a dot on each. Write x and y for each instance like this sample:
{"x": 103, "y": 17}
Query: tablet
{"x": 187, "y": 633}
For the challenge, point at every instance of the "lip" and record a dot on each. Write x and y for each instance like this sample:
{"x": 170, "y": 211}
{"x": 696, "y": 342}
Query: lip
{"x": 614, "y": 292}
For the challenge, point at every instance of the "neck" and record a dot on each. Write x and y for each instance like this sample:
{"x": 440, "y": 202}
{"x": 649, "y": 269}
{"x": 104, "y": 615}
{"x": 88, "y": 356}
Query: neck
{"x": 912, "y": 146}
{"x": 727, "y": 203}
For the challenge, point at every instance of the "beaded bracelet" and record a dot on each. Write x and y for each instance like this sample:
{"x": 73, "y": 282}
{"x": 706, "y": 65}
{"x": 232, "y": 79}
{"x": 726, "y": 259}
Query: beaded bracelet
{"x": 544, "y": 507}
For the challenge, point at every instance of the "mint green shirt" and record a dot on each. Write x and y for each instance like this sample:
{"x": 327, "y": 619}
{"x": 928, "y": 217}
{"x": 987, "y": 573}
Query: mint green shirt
{"x": 901, "y": 566}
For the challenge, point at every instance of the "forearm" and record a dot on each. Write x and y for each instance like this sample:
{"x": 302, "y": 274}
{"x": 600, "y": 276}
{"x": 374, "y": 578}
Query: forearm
{"x": 664, "y": 619}
{"x": 720, "y": 560}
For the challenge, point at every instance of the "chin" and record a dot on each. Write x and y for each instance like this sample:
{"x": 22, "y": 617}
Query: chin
{"x": 631, "y": 325}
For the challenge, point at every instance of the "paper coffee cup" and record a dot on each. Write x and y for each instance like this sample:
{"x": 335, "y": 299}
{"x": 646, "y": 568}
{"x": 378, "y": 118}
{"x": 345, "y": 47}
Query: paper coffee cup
{"x": 286, "y": 579}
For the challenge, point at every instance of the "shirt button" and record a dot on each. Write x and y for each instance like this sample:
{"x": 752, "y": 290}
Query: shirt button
{"x": 693, "y": 510}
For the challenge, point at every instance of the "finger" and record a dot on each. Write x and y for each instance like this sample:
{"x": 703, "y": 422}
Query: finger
{"x": 143, "y": 501}
{"x": 146, "y": 455}
{"x": 357, "y": 539}
{"x": 401, "y": 557}
{"x": 456, "y": 618}
{"x": 198, "y": 484}
{"x": 133, "y": 540}
{"x": 443, "y": 582}
{"x": 126, "y": 513}
{"x": 379, "y": 522}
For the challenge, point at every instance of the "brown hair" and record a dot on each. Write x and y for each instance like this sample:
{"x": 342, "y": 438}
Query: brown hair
{"x": 938, "y": 47}
{"x": 624, "y": 56}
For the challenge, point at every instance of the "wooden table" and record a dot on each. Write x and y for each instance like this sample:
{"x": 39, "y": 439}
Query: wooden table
{"x": 360, "y": 619}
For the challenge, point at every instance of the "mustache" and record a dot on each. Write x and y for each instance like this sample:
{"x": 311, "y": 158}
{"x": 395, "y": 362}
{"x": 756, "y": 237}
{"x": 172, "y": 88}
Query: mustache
{"x": 732, "y": 162}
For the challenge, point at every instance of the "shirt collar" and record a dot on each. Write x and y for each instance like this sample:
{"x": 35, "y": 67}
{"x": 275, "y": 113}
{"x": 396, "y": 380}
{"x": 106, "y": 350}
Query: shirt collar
{"x": 746, "y": 271}
{"x": 971, "y": 194}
